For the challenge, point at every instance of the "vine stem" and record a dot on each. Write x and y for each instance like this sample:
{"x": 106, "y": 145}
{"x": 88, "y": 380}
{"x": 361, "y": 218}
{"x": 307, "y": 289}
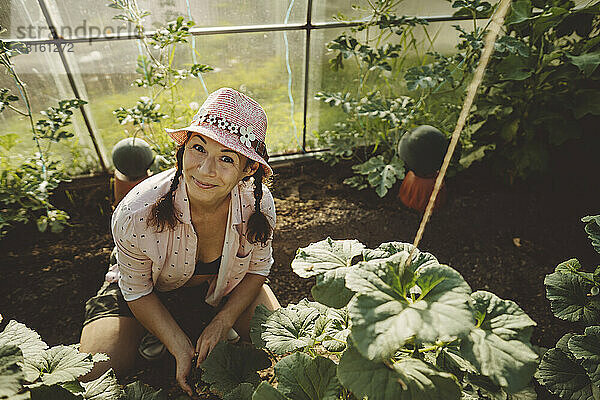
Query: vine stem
{"x": 490, "y": 40}
{"x": 16, "y": 110}
{"x": 10, "y": 67}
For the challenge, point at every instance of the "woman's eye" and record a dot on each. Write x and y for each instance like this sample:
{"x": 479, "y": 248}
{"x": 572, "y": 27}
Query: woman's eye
{"x": 227, "y": 159}
{"x": 198, "y": 147}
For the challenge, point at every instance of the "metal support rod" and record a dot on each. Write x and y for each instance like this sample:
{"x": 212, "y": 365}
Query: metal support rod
{"x": 72, "y": 83}
{"x": 226, "y": 30}
{"x": 309, "y": 27}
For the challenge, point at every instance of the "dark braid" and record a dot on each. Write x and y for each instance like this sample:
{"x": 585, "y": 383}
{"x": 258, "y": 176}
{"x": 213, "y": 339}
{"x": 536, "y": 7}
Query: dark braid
{"x": 259, "y": 228}
{"x": 163, "y": 212}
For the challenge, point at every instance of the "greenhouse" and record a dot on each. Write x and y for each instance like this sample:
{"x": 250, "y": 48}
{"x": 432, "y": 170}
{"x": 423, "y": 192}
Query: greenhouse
{"x": 298, "y": 199}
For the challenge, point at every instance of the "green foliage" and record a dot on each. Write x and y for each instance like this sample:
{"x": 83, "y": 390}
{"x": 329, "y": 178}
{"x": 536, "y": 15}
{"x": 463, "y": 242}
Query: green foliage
{"x": 57, "y": 119}
{"x": 378, "y": 112}
{"x": 157, "y": 73}
{"x": 571, "y": 370}
{"x": 229, "y": 366}
{"x": 31, "y": 370}
{"x": 6, "y": 98}
{"x": 302, "y": 377}
{"x": 25, "y": 188}
{"x": 376, "y": 115}
{"x": 539, "y": 87}
{"x": 541, "y": 82}
{"x": 410, "y": 329}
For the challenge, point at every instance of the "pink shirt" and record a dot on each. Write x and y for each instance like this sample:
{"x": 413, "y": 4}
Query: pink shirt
{"x": 166, "y": 260}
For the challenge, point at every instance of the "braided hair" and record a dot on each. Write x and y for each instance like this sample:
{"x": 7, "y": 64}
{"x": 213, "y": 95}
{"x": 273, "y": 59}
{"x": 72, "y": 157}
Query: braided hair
{"x": 163, "y": 213}
{"x": 259, "y": 227}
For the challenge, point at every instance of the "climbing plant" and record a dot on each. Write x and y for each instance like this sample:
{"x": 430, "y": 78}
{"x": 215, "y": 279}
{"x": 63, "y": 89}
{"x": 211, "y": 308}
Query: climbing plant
{"x": 27, "y": 184}
{"x": 156, "y": 71}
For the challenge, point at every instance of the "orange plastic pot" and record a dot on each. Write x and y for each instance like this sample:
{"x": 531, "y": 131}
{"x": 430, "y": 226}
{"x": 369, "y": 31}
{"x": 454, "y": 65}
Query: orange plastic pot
{"x": 415, "y": 192}
{"x": 123, "y": 184}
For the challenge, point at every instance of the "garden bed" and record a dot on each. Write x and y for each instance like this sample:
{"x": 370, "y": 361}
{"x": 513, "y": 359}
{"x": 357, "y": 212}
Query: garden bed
{"x": 502, "y": 239}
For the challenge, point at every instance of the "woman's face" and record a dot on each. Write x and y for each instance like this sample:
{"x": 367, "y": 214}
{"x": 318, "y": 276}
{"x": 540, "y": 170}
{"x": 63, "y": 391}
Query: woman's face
{"x": 211, "y": 170}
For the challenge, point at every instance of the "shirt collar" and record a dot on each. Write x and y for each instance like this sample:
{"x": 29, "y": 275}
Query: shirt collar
{"x": 182, "y": 204}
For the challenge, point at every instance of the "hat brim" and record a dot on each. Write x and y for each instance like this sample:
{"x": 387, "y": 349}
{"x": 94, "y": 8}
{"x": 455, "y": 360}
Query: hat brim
{"x": 223, "y": 137}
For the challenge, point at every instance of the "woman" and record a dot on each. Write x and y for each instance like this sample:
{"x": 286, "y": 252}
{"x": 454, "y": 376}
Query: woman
{"x": 200, "y": 232}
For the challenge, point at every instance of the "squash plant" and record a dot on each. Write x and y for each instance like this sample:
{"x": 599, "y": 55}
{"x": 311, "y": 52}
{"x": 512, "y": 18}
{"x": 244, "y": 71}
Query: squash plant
{"x": 26, "y": 185}
{"x": 571, "y": 369}
{"x": 387, "y": 326}
{"x": 31, "y": 370}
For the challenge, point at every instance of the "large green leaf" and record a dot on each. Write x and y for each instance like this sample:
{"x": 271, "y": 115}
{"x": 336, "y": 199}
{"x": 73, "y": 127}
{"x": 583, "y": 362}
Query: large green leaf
{"x": 499, "y": 347}
{"x": 105, "y": 387}
{"x": 486, "y": 389}
{"x": 58, "y": 364}
{"x": 564, "y": 376}
{"x": 592, "y": 228}
{"x": 525, "y": 394}
{"x": 586, "y": 62}
{"x": 569, "y": 300}
{"x": 291, "y": 328}
{"x": 261, "y": 313}
{"x": 324, "y": 256}
{"x": 394, "y": 304}
{"x": 586, "y": 348}
{"x": 425, "y": 382}
{"x": 407, "y": 379}
{"x": 243, "y": 391}
{"x": 386, "y": 178}
{"x": 53, "y": 392}
{"x": 451, "y": 360}
{"x": 330, "y": 288}
{"x": 549, "y": 19}
{"x": 140, "y": 391}
{"x": 336, "y": 330}
{"x": 17, "y": 334}
{"x": 586, "y": 101}
{"x": 264, "y": 391}
{"x": 387, "y": 249}
{"x": 301, "y": 377}
{"x": 11, "y": 375}
{"x": 520, "y": 11}
{"x": 228, "y": 365}
{"x": 514, "y": 68}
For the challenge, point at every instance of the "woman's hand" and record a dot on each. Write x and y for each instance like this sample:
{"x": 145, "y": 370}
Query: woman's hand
{"x": 216, "y": 331}
{"x": 184, "y": 366}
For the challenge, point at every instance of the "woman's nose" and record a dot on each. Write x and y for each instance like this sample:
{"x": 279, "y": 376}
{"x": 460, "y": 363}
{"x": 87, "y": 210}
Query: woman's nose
{"x": 208, "y": 166}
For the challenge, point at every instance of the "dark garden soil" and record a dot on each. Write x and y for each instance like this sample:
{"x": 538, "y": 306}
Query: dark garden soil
{"x": 501, "y": 238}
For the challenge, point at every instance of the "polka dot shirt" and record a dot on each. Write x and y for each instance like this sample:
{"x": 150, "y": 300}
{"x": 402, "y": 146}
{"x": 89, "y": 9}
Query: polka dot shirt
{"x": 165, "y": 260}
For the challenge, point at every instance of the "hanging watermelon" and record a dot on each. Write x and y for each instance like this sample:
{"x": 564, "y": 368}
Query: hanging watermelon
{"x": 132, "y": 157}
{"x": 423, "y": 150}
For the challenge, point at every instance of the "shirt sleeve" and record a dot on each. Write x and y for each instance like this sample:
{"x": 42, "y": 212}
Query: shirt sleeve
{"x": 262, "y": 255}
{"x": 135, "y": 268}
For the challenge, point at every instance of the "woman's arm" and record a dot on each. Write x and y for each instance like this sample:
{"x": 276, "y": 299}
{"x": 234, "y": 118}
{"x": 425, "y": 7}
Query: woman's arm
{"x": 241, "y": 297}
{"x": 154, "y": 316}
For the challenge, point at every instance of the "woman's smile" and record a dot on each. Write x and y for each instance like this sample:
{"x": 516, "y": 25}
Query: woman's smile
{"x": 203, "y": 185}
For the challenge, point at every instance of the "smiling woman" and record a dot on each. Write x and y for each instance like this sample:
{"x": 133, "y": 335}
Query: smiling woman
{"x": 200, "y": 231}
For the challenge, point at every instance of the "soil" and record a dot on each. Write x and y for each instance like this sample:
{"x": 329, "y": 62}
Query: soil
{"x": 501, "y": 238}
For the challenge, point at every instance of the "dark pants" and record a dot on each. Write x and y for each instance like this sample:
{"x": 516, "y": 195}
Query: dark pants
{"x": 186, "y": 305}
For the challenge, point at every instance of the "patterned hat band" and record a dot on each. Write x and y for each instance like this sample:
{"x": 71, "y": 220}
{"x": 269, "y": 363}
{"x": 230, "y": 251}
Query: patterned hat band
{"x": 247, "y": 137}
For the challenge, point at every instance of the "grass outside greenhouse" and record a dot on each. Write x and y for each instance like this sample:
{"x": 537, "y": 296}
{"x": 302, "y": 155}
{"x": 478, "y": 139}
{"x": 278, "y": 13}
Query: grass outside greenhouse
{"x": 437, "y": 225}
